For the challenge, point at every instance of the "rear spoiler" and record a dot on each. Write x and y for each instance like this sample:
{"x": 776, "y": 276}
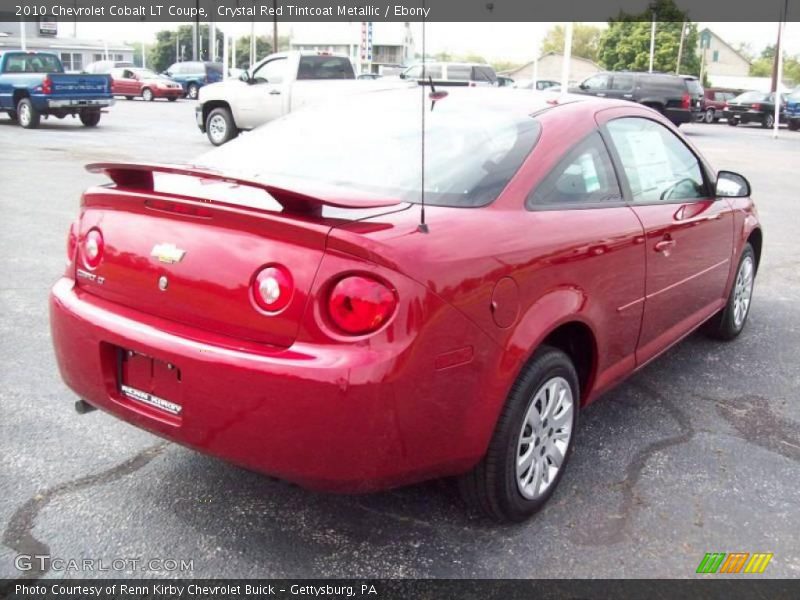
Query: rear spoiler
{"x": 139, "y": 177}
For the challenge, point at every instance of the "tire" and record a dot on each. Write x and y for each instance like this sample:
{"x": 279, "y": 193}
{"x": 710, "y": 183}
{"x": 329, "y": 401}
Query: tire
{"x": 768, "y": 122}
{"x": 728, "y": 323}
{"x": 496, "y": 487}
{"x": 147, "y": 95}
{"x": 128, "y": 97}
{"x": 220, "y": 127}
{"x": 172, "y": 98}
{"x": 794, "y": 125}
{"x": 90, "y": 118}
{"x": 192, "y": 90}
{"x": 27, "y": 115}
{"x": 733, "y": 122}
{"x": 709, "y": 116}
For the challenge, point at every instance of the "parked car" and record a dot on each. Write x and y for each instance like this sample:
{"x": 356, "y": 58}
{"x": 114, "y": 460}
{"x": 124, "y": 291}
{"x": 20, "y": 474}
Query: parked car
{"x": 449, "y": 73}
{"x": 149, "y": 85}
{"x": 278, "y": 302}
{"x": 714, "y": 100}
{"x": 793, "y": 110}
{"x": 754, "y": 107}
{"x": 541, "y": 84}
{"x": 276, "y": 86}
{"x": 33, "y": 85}
{"x": 503, "y": 81}
{"x": 675, "y": 96}
{"x": 193, "y": 75}
{"x": 104, "y": 67}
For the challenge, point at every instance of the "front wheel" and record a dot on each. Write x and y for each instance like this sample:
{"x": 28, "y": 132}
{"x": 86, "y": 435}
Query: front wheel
{"x": 27, "y": 115}
{"x": 729, "y": 322}
{"x": 90, "y": 118}
{"x": 147, "y": 95}
{"x": 531, "y": 444}
{"x": 191, "y": 91}
{"x": 709, "y": 116}
{"x": 220, "y": 127}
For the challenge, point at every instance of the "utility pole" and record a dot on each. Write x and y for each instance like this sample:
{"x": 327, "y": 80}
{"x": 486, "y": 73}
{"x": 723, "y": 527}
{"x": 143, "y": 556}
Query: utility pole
{"x": 196, "y": 36}
{"x": 652, "y": 41}
{"x": 212, "y": 41}
{"x": 274, "y": 27}
{"x": 567, "y": 59}
{"x": 680, "y": 49}
{"x": 22, "y": 40}
{"x": 778, "y": 70}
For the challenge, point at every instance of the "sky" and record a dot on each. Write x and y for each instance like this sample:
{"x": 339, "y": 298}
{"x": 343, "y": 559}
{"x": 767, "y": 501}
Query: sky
{"x": 515, "y": 42}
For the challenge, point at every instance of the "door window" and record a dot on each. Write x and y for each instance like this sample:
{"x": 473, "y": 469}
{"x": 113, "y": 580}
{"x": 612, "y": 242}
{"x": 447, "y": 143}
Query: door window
{"x": 272, "y": 72}
{"x": 622, "y": 82}
{"x": 584, "y": 178}
{"x": 659, "y": 167}
{"x": 598, "y": 82}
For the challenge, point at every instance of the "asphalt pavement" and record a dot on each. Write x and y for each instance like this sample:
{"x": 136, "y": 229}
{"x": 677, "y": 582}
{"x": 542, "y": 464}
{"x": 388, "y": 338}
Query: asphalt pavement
{"x": 699, "y": 452}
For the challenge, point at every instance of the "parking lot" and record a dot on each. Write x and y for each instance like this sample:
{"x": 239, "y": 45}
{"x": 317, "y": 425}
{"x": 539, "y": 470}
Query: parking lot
{"x": 699, "y": 452}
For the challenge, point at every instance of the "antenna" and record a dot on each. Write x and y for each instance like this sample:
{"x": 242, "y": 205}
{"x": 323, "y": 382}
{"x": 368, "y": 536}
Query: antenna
{"x": 423, "y": 226}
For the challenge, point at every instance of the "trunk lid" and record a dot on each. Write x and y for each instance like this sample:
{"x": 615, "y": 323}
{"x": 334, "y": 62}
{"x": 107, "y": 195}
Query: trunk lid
{"x": 191, "y": 257}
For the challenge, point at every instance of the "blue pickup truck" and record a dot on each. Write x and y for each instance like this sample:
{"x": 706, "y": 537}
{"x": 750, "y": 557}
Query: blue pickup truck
{"x": 33, "y": 85}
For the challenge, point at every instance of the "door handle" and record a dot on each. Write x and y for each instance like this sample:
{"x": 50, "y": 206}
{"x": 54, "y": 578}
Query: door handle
{"x": 274, "y": 92}
{"x": 665, "y": 246}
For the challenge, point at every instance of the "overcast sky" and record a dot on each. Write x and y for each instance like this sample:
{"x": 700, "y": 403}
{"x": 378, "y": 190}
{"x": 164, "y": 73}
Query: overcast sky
{"x": 494, "y": 41}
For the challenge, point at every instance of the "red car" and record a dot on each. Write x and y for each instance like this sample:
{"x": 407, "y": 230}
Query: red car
{"x": 287, "y": 303}
{"x": 134, "y": 82}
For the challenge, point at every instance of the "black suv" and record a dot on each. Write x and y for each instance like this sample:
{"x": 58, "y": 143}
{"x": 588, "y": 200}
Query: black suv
{"x": 677, "y": 97}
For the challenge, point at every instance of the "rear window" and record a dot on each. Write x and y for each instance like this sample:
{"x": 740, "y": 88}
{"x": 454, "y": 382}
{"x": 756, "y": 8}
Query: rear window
{"x": 694, "y": 86}
{"x": 486, "y": 74}
{"x": 751, "y": 97}
{"x": 459, "y": 72}
{"x": 325, "y": 67}
{"x": 32, "y": 63}
{"x": 471, "y": 151}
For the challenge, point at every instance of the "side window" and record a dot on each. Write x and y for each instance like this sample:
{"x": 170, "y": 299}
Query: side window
{"x": 272, "y": 72}
{"x": 598, "y": 82}
{"x": 658, "y": 166}
{"x": 622, "y": 82}
{"x": 432, "y": 71}
{"x": 585, "y": 177}
{"x": 458, "y": 72}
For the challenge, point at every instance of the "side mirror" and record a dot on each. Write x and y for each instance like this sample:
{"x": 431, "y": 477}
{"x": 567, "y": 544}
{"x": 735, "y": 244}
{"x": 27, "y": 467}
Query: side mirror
{"x": 731, "y": 185}
{"x": 402, "y": 75}
{"x": 583, "y": 86}
{"x": 244, "y": 76}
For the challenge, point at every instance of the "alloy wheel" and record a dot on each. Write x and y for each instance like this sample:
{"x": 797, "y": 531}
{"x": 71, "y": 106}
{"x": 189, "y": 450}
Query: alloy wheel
{"x": 742, "y": 292}
{"x": 24, "y": 114}
{"x": 544, "y": 437}
{"x": 217, "y": 128}
{"x": 710, "y": 115}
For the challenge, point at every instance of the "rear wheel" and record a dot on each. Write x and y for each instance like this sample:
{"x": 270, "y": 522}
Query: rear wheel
{"x": 729, "y": 322}
{"x": 220, "y": 127}
{"x": 733, "y": 122}
{"x": 90, "y": 118}
{"x": 191, "y": 91}
{"x": 147, "y": 95}
{"x": 709, "y": 116}
{"x": 531, "y": 444}
{"x": 794, "y": 125}
{"x": 768, "y": 122}
{"x": 27, "y": 115}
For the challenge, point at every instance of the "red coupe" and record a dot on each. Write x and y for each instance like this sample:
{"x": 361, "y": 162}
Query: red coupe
{"x": 289, "y": 304}
{"x": 133, "y": 82}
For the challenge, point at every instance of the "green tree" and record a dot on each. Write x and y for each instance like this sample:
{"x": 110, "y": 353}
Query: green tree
{"x": 166, "y": 51}
{"x": 263, "y": 48}
{"x": 585, "y": 40}
{"x": 625, "y": 45}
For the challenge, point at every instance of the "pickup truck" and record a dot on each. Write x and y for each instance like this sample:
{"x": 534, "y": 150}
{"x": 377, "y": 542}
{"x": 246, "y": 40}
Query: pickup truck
{"x": 276, "y": 86}
{"x": 33, "y": 84}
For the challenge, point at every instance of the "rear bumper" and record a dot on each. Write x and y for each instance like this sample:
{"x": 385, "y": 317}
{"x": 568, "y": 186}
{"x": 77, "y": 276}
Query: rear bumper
{"x": 679, "y": 115}
{"x": 744, "y": 117}
{"x": 75, "y": 103}
{"x": 320, "y": 416}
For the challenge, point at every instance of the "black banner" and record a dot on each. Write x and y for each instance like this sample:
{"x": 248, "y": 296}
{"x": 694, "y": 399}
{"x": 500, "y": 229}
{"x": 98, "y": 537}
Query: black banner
{"x": 395, "y": 10}
{"x": 420, "y": 589}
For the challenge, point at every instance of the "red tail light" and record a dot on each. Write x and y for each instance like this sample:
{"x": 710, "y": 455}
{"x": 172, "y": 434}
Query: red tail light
{"x": 686, "y": 101}
{"x": 272, "y": 288}
{"x": 47, "y": 85}
{"x": 755, "y": 106}
{"x": 359, "y": 305}
{"x": 72, "y": 243}
{"x": 93, "y": 247}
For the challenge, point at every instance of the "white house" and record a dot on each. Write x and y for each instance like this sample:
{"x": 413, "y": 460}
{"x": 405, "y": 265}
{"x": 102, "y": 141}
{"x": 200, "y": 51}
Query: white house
{"x": 549, "y": 67}
{"x": 719, "y": 58}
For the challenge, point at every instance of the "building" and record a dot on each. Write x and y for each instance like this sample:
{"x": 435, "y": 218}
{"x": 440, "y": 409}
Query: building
{"x": 392, "y": 43}
{"x": 75, "y": 53}
{"x": 549, "y": 67}
{"x": 717, "y": 57}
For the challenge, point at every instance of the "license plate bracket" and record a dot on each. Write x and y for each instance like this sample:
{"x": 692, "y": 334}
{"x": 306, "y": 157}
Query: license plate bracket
{"x": 149, "y": 381}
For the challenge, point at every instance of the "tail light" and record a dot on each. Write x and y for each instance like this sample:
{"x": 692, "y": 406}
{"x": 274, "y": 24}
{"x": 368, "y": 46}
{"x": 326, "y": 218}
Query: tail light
{"x": 47, "y": 85}
{"x": 272, "y": 288}
{"x": 755, "y": 106}
{"x": 72, "y": 243}
{"x": 686, "y": 101}
{"x": 359, "y": 305}
{"x": 93, "y": 248}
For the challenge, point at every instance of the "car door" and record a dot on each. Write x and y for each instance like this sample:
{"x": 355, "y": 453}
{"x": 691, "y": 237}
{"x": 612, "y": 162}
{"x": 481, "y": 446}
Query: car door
{"x": 621, "y": 87}
{"x": 688, "y": 232}
{"x": 262, "y": 100}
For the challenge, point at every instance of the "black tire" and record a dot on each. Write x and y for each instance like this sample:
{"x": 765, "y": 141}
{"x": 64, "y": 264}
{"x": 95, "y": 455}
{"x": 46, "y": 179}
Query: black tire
{"x": 220, "y": 127}
{"x": 192, "y": 90}
{"x": 724, "y": 325}
{"x": 27, "y": 115}
{"x": 708, "y": 117}
{"x": 768, "y": 122}
{"x": 733, "y": 122}
{"x": 147, "y": 95}
{"x": 172, "y": 98}
{"x": 491, "y": 487}
{"x": 794, "y": 125}
{"x": 90, "y": 118}
{"x": 128, "y": 97}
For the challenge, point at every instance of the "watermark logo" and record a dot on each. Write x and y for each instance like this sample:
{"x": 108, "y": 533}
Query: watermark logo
{"x": 734, "y": 562}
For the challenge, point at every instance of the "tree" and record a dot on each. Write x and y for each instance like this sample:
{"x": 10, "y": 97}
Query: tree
{"x": 165, "y": 51}
{"x": 625, "y": 45}
{"x": 585, "y": 40}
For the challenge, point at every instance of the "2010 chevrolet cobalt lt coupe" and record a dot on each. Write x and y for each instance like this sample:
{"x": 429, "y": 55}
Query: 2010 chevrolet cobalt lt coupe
{"x": 287, "y": 304}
